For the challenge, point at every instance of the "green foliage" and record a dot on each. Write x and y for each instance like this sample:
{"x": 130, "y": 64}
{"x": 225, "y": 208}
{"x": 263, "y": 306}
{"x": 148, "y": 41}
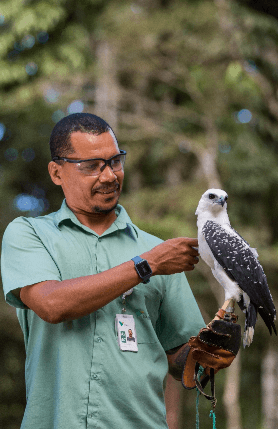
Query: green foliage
{"x": 184, "y": 70}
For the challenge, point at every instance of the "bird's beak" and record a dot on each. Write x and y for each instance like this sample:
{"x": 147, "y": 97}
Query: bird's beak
{"x": 221, "y": 201}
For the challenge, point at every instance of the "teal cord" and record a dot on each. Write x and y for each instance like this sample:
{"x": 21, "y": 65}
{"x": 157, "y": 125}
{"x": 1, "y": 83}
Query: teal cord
{"x": 197, "y": 409}
{"x": 212, "y": 412}
{"x": 213, "y": 417}
{"x": 200, "y": 373}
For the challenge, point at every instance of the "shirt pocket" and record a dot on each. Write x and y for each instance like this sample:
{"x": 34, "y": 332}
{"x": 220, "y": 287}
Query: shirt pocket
{"x": 145, "y": 303}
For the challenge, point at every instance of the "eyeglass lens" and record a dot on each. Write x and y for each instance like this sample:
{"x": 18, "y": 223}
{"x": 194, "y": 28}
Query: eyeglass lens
{"x": 95, "y": 167}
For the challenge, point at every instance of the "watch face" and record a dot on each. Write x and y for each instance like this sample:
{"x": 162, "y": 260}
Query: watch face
{"x": 144, "y": 268}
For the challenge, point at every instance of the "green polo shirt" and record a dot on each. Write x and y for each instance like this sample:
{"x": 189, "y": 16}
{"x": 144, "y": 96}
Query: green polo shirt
{"x": 76, "y": 375}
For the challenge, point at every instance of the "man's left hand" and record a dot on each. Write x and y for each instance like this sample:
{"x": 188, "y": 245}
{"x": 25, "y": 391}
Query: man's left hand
{"x": 215, "y": 347}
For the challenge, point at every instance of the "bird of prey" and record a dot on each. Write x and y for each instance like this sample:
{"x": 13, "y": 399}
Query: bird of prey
{"x": 233, "y": 262}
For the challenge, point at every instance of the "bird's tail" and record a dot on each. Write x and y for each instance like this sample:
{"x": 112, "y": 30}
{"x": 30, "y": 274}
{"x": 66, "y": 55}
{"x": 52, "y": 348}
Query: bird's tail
{"x": 268, "y": 319}
{"x": 250, "y": 322}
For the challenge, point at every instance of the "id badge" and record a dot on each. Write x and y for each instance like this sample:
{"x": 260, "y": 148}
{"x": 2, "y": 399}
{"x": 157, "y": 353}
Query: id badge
{"x": 125, "y": 328}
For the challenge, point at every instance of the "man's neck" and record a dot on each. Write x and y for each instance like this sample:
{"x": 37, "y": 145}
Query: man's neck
{"x": 98, "y": 222}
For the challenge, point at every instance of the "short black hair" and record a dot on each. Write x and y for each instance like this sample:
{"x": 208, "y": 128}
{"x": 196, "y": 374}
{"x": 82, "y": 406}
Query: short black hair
{"x": 60, "y": 143}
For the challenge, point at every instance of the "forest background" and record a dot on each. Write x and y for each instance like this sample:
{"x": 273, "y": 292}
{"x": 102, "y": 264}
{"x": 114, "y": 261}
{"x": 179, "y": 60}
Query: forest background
{"x": 190, "y": 88}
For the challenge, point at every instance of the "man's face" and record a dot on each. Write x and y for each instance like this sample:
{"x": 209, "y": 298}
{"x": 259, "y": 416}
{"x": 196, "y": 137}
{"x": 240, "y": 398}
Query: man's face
{"x": 130, "y": 333}
{"x": 89, "y": 194}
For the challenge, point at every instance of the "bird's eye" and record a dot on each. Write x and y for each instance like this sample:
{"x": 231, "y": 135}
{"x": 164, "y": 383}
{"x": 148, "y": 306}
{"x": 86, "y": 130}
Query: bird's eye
{"x": 226, "y": 198}
{"x": 211, "y": 196}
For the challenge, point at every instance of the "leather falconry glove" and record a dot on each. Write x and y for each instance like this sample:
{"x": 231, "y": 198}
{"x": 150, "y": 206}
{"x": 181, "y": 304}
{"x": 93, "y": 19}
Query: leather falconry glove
{"x": 215, "y": 347}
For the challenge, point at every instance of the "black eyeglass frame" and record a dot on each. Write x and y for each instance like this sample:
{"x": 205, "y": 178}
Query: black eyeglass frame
{"x": 106, "y": 161}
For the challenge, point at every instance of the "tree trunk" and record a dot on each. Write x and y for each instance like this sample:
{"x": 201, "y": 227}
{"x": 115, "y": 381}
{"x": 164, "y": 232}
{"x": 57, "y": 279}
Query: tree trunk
{"x": 231, "y": 394}
{"x": 270, "y": 389}
{"x": 107, "y": 91}
{"x": 207, "y": 160}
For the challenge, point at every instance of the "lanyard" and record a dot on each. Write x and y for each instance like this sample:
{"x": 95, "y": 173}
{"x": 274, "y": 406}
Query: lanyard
{"x": 128, "y": 292}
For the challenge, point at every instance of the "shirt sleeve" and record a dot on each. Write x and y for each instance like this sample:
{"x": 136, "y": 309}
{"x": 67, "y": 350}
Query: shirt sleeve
{"x": 180, "y": 317}
{"x": 24, "y": 260}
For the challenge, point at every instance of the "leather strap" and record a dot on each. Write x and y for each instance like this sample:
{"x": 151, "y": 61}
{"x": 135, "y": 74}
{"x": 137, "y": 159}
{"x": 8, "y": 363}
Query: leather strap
{"x": 229, "y": 317}
{"x": 200, "y": 385}
{"x": 220, "y": 313}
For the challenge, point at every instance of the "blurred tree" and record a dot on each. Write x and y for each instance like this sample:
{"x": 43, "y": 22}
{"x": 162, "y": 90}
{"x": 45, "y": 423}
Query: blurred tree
{"x": 269, "y": 387}
{"x": 167, "y": 87}
{"x": 194, "y": 103}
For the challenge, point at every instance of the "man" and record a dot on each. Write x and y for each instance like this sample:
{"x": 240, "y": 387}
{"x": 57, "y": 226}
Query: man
{"x": 130, "y": 336}
{"x": 70, "y": 274}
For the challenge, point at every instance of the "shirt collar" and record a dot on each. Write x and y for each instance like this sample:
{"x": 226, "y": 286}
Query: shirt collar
{"x": 122, "y": 221}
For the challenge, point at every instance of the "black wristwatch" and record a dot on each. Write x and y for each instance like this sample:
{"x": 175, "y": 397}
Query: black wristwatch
{"x": 143, "y": 269}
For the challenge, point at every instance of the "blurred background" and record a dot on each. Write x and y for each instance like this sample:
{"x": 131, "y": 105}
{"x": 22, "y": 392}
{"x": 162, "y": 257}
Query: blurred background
{"x": 190, "y": 89}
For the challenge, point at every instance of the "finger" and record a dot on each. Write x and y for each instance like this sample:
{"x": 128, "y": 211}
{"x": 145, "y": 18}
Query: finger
{"x": 190, "y": 265}
{"x": 194, "y": 252}
{"x": 193, "y": 242}
{"x": 192, "y": 260}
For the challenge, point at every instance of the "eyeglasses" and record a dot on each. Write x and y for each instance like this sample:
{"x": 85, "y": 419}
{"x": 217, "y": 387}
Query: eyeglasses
{"x": 95, "y": 166}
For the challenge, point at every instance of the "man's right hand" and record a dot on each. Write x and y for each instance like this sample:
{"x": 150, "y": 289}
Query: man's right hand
{"x": 173, "y": 256}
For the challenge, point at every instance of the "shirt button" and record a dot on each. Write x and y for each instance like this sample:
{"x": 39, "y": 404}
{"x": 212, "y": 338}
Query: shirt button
{"x": 94, "y": 376}
{"x": 99, "y": 339}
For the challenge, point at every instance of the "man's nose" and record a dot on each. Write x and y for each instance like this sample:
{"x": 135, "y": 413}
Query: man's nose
{"x": 107, "y": 175}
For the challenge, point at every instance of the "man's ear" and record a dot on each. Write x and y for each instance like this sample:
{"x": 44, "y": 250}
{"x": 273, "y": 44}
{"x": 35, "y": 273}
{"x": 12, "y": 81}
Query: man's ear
{"x": 54, "y": 170}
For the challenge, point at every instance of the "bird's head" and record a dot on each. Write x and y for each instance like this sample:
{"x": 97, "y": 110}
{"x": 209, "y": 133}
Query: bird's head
{"x": 213, "y": 201}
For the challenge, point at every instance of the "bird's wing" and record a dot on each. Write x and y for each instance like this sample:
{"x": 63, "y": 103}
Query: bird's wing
{"x": 235, "y": 256}
{"x": 254, "y": 251}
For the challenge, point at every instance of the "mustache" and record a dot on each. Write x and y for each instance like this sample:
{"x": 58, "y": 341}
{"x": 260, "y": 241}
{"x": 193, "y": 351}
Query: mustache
{"x": 106, "y": 188}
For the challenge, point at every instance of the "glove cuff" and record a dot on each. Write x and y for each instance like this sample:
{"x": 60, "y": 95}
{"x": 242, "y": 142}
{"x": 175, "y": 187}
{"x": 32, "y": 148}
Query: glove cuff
{"x": 177, "y": 362}
{"x": 188, "y": 381}
{"x": 188, "y": 375}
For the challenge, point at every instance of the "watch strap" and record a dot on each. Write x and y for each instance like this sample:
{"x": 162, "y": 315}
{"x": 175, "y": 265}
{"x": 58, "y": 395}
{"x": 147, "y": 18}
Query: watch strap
{"x": 137, "y": 260}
